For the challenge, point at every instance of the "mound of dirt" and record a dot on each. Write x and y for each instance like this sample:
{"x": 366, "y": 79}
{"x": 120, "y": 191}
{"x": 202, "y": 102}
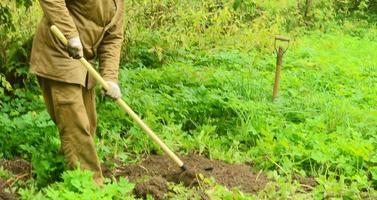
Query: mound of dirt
{"x": 18, "y": 166}
{"x": 155, "y": 186}
{"x": 162, "y": 169}
{"x": 21, "y": 170}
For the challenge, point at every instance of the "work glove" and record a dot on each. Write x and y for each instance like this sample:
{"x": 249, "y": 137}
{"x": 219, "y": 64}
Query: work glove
{"x": 74, "y": 48}
{"x": 114, "y": 90}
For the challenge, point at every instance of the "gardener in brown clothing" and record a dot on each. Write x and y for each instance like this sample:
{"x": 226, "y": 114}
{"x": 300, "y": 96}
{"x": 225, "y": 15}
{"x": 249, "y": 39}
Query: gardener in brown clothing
{"x": 94, "y": 29}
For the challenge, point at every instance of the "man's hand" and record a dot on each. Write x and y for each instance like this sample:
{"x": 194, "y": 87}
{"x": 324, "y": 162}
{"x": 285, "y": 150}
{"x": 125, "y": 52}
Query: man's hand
{"x": 74, "y": 47}
{"x": 114, "y": 90}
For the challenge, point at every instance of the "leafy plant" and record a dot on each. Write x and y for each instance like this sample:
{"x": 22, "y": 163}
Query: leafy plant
{"x": 79, "y": 185}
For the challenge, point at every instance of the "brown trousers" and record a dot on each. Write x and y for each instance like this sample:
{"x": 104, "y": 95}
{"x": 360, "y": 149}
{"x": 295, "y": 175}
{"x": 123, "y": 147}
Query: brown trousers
{"x": 72, "y": 108}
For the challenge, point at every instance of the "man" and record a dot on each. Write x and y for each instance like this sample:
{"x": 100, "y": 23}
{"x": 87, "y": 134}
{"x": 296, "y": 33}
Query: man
{"x": 94, "y": 29}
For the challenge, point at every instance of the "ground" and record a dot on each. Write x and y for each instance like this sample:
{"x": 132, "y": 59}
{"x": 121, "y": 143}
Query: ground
{"x": 154, "y": 173}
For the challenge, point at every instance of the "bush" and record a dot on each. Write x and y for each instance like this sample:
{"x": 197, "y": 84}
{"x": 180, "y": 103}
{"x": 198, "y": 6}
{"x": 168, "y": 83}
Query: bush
{"x": 16, "y": 30}
{"x": 160, "y": 30}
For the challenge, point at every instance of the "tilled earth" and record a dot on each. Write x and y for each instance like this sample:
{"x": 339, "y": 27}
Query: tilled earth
{"x": 161, "y": 169}
{"x": 154, "y": 172}
{"x": 21, "y": 170}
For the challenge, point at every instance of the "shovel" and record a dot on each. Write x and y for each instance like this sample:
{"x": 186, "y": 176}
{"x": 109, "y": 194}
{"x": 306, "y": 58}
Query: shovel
{"x": 123, "y": 104}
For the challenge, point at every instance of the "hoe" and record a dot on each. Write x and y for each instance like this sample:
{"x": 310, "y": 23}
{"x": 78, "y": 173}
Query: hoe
{"x": 186, "y": 174}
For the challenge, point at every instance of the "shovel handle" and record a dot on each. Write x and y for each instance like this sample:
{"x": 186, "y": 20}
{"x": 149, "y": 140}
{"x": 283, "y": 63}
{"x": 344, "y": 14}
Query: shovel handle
{"x": 284, "y": 39}
{"x": 121, "y": 103}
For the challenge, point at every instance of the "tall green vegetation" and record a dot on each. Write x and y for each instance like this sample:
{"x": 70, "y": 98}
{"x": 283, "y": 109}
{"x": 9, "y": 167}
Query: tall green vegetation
{"x": 179, "y": 24}
{"x": 200, "y": 73}
{"x": 16, "y": 30}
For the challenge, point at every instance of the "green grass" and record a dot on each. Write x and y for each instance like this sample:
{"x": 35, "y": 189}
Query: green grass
{"x": 210, "y": 93}
{"x": 219, "y": 104}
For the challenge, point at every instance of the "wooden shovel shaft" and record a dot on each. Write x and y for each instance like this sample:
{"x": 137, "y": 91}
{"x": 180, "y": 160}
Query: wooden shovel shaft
{"x": 279, "y": 62}
{"x": 120, "y": 102}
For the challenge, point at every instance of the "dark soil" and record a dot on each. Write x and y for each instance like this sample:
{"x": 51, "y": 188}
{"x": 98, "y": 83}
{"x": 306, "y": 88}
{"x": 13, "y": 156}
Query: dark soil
{"x": 163, "y": 169}
{"x": 155, "y": 186}
{"x": 21, "y": 170}
{"x": 152, "y": 174}
{"x": 17, "y": 167}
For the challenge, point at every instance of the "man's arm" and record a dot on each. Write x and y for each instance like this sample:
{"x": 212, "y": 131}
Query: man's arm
{"x": 109, "y": 50}
{"x": 57, "y": 14}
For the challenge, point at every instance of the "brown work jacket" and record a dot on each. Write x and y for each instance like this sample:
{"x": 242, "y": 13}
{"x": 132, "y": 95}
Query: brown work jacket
{"x": 99, "y": 23}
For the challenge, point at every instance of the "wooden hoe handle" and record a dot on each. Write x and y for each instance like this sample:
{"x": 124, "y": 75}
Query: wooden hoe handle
{"x": 120, "y": 102}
